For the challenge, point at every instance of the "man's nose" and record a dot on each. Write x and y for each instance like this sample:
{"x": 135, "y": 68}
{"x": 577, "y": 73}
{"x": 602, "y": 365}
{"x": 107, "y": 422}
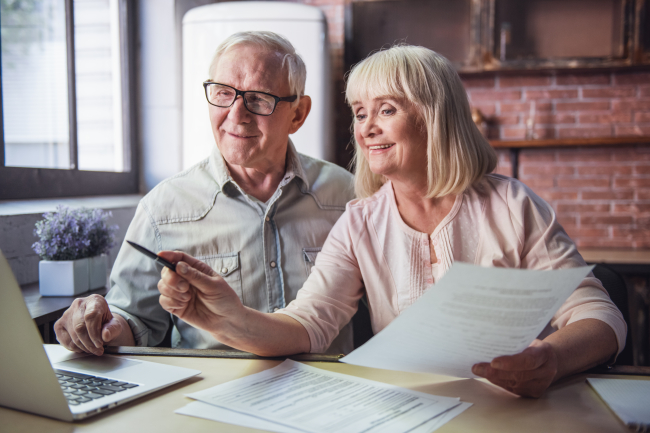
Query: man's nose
{"x": 238, "y": 111}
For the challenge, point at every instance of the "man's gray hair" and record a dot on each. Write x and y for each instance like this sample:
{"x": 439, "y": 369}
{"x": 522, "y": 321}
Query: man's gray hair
{"x": 297, "y": 72}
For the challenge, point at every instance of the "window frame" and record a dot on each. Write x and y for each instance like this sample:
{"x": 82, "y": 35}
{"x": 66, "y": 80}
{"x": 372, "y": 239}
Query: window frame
{"x": 31, "y": 183}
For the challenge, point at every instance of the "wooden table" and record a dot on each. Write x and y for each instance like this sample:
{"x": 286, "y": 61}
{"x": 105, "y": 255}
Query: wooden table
{"x": 45, "y": 310}
{"x": 568, "y": 406}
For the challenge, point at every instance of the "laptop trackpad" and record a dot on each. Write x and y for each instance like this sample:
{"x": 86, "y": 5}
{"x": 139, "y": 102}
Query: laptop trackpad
{"x": 98, "y": 364}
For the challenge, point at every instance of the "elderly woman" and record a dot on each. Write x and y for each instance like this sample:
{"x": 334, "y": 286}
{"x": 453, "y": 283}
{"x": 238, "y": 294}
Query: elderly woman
{"x": 426, "y": 199}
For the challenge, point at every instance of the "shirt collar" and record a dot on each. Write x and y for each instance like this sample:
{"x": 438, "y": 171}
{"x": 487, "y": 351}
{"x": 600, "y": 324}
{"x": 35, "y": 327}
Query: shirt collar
{"x": 294, "y": 168}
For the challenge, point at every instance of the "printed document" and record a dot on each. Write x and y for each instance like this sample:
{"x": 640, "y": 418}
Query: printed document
{"x": 473, "y": 314}
{"x": 297, "y": 397}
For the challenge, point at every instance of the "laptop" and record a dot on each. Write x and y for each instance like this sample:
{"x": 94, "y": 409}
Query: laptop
{"x": 73, "y": 389}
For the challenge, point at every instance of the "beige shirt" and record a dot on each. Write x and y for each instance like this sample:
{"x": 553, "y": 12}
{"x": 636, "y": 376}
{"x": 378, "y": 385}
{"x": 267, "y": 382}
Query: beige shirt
{"x": 499, "y": 222}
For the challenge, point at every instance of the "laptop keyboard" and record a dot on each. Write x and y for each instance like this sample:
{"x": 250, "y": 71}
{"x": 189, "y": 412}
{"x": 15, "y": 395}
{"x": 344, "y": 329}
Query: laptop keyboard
{"x": 81, "y": 388}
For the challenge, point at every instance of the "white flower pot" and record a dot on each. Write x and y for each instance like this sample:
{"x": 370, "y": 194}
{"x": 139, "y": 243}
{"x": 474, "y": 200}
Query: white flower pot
{"x": 97, "y": 271}
{"x": 63, "y": 278}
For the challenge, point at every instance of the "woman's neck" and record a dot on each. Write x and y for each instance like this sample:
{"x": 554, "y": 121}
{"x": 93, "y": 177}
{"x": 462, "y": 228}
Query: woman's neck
{"x": 418, "y": 212}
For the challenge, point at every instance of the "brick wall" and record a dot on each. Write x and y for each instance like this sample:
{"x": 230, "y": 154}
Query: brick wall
{"x": 601, "y": 195}
{"x": 565, "y": 105}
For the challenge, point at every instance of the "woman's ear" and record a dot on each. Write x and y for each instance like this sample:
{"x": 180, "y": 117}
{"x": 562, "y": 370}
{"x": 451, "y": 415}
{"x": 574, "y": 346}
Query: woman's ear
{"x": 300, "y": 113}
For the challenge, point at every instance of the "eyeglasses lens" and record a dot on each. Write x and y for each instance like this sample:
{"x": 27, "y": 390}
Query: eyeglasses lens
{"x": 223, "y": 96}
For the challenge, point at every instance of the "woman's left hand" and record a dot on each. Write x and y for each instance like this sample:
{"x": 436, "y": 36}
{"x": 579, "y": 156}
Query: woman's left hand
{"x": 528, "y": 373}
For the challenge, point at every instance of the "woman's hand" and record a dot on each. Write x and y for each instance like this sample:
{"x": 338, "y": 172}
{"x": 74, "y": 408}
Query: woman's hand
{"x": 197, "y": 294}
{"x": 528, "y": 373}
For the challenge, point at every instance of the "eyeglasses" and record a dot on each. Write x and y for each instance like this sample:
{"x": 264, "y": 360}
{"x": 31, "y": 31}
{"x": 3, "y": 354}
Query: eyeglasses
{"x": 260, "y": 103}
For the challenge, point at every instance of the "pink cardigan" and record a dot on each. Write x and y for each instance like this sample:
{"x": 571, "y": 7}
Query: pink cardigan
{"x": 499, "y": 222}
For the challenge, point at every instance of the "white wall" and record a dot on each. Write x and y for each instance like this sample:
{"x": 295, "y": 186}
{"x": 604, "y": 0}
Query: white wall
{"x": 160, "y": 116}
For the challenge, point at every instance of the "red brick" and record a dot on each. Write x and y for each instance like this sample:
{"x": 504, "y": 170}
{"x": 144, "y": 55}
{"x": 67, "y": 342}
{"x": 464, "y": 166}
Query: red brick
{"x": 603, "y": 243}
{"x": 628, "y": 232}
{"x": 633, "y": 130}
{"x": 539, "y": 183}
{"x": 642, "y": 117}
{"x": 608, "y": 195}
{"x": 630, "y": 154}
{"x": 635, "y": 208}
{"x": 644, "y": 91}
{"x": 567, "y": 220}
{"x": 584, "y": 155}
{"x": 633, "y": 104}
{"x": 552, "y": 94}
{"x": 587, "y": 232}
{"x": 599, "y": 131}
{"x": 582, "y": 208}
{"x": 604, "y": 170}
{"x": 550, "y": 195}
{"x": 494, "y": 95}
{"x": 545, "y": 118}
{"x": 513, "y": 133}
{"x": 582, "y": 106}
{"x": 643, "y": 194}
{"x": 572, "y": 182}
{"x": 606, "y": 219}
{"x": 505, "y": 170}
{"x": 544, "y": 133}
{"x": 546, "y": 170}
{"x": 634, "y": 78}
{"x": 486, "y": 109}
{"x": 641, "y": 169}
{"x": 620, "y": 117}
{"x": 536, "y": 156}
{"x": 582, "y": 79}
{"x": 512, "y": 119}
{"x": 524, "y": 81}
{"x": 524, "y": 107}
{"x": 473, "y": 82}
{"x": 609, "y": 92}
{"x": 632, "y": 182}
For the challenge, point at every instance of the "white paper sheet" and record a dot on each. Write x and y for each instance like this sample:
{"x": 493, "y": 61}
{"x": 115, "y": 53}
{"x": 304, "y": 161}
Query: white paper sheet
{"x": 473, "y": 314}
{"x": 628, "y": 398}
{"x": 203, "y": 410}
{"x": 309, "y": 399}
{"x": 57, "y": 353}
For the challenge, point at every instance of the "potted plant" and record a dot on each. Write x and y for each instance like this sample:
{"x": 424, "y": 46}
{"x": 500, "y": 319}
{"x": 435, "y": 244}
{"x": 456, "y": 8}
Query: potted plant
{"x": 73, "y": 244}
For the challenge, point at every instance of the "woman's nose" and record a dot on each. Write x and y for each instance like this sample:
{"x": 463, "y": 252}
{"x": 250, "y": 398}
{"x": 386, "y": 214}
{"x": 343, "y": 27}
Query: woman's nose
{"x": 370, "y": 128}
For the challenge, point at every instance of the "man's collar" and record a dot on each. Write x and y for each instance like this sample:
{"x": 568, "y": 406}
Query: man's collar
{"x": 222, "y": 175}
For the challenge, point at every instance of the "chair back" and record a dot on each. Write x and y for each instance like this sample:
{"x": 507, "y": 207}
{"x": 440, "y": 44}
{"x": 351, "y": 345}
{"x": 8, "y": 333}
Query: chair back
{"x": 617, "y": 289}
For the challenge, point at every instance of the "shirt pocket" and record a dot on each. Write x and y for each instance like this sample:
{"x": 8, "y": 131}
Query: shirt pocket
{"x": 309, "y": 255}
{"x": 227, "y": 266}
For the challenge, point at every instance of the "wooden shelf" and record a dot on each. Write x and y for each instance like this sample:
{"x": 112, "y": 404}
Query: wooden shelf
{"x": 569, "y": 142}
{"x": 618, "y": 257}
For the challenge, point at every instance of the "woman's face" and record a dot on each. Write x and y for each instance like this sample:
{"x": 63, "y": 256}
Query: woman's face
{"x": 392, "y": 137}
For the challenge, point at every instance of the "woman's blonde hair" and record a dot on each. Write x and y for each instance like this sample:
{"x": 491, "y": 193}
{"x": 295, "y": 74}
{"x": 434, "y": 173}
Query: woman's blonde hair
{"x": 458, "y": 154}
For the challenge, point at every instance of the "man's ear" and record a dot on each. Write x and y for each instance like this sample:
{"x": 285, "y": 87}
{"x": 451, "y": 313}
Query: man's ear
{"x": 300, "y": 113}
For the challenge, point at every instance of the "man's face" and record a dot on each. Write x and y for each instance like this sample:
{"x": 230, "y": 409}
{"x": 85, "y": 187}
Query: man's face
{"x": 246, "y": 139}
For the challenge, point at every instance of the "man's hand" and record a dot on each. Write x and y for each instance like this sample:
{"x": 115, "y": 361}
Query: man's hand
{"x": 88, "y": 324}
{"x": 528, "y": 373}
{"x": 197, "y": 294}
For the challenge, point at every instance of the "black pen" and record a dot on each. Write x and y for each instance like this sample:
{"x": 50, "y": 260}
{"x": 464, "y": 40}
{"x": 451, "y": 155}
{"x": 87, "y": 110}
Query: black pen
{"x": 153, "y": 256}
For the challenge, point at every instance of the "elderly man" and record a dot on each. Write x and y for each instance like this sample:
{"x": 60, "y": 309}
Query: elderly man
{"x": 255, "y": 211}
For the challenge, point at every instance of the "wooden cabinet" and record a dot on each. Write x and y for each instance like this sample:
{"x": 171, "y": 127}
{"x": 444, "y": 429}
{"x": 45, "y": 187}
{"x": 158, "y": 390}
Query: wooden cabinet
{"x": 481, "y": 35}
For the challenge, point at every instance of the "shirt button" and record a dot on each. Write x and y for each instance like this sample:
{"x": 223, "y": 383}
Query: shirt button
{"x": 273, "y": 264}
{"x": 275, "y": 309}
{"x": 267, "y": 219}
{"x": 224, "y": 270}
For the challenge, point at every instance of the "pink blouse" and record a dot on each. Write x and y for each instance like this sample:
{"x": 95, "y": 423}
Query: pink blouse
{"x": 499, "y": 222}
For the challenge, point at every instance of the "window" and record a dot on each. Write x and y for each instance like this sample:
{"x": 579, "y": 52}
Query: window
{"x": 66, "y": 99}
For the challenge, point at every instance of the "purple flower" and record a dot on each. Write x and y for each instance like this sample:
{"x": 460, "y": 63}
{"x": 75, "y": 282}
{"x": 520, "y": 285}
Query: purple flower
{"x": 70, "y": 234}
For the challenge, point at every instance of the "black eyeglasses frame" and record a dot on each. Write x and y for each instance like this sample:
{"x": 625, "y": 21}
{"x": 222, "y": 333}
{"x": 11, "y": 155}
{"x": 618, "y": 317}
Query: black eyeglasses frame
{"x": 242, "y": 93}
